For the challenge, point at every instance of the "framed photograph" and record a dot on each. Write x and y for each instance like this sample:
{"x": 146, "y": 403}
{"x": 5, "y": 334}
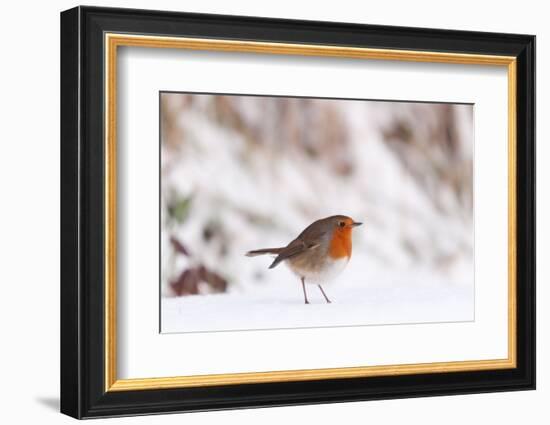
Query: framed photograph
{"x": 261, "y": 212}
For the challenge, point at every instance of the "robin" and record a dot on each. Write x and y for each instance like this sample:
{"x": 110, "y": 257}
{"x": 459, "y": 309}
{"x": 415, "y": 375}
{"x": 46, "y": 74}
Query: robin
{"x": 319, "y": 253}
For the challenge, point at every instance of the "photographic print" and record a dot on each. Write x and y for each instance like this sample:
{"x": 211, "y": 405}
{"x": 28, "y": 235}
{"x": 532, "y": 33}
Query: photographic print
{"x": 361, "y": 195}
{"x": 287, "y": 212}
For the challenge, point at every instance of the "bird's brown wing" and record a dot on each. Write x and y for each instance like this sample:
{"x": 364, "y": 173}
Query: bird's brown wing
{"x": 310, "y": 238}
{"x": 296, "y": 247}
{"x": 316, "y": 232}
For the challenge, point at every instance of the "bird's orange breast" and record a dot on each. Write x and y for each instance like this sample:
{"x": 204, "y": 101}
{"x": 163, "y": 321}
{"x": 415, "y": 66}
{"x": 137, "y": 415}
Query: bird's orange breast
{"x": 340, "y": 245}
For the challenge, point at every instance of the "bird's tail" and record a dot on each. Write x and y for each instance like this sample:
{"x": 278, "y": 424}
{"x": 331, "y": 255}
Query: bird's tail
{"x": 273, "y": 251}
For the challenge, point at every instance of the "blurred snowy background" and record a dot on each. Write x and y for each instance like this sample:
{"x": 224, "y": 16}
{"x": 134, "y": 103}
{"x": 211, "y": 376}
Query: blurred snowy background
{"x": 246, "y": 172}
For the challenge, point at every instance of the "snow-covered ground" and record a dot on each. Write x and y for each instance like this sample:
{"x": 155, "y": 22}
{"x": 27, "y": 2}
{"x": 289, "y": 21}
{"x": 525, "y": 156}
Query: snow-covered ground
{"x": 284, "y": 308}
{"x": 359, "y": 297}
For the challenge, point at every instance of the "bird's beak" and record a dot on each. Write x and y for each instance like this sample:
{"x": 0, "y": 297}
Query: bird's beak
{"x": 355, "y": 224}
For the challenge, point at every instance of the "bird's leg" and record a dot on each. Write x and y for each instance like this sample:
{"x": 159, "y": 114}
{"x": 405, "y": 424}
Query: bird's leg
{"x": 324, "y": 295}
{"x": 304, "y": 289}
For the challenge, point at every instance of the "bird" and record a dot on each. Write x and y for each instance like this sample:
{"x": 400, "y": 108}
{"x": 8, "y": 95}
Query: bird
{"x": 318, "y": 254}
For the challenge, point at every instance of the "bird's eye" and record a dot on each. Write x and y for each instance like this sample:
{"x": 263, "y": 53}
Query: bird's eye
{"x": 341, "y": 224}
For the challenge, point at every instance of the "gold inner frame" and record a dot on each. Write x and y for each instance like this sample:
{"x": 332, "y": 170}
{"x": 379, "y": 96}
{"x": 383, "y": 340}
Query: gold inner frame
{"x": 113, "y": 41}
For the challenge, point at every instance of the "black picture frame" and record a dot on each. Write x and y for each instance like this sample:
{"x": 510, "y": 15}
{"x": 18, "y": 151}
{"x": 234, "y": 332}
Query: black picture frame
{"x": 83, "y": 392}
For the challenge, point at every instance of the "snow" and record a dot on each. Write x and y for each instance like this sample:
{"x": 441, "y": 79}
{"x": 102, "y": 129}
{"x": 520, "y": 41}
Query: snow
{"x": 359, "y": 296}
{"x": 399, "y": 303}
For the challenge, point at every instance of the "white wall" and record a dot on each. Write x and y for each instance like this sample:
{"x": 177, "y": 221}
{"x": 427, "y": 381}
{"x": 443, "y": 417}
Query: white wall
{"x": 29, "y": 228}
